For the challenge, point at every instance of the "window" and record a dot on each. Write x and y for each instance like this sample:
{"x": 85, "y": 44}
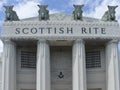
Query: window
{"x": 93, "y": 59}
{"x": 28, "y": 59}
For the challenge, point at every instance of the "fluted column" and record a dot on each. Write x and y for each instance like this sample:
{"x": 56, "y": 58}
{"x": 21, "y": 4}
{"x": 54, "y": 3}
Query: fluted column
{"x": 43, "y": 66}
{"x": 112, "y": 67}
{"x": 9, "y": 66}
{"x": 79, "y": 67}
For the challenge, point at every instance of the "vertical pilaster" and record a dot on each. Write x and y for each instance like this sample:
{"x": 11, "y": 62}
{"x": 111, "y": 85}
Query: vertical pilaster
{"x": 43, "y": 66}
{"x": 79, "y": 67}
{"x": 9, "y": 66}
{"x": 112, "y": 68}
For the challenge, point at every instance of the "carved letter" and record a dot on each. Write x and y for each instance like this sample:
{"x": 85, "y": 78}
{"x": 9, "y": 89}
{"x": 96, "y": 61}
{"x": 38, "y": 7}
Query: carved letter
{"x": 25, "y": 30}
{"x": 61, "y": 30}
{"x": 17, "y": 31}
{"x": 49, "y": 29}
{"x": 34, "y": 30}
{"x": 41, "y": 29}
{"x": 103, "y": 31}
{"x": 96, "y": 30}
{"x": 70, "y": 30}
{"x": 83, "y": 30}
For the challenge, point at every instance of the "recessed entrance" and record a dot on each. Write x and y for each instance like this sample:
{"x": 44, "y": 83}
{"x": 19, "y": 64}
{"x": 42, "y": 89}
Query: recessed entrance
{"x": 61, "y": 67}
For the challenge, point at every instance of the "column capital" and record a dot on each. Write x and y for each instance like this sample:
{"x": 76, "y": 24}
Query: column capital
{"x": 9, "y": 41}
{"x": 42, "y": 41}
{"x": 113, "y": 41}
{"x": 79, "y": 41}
{"x": 6, "y": 40}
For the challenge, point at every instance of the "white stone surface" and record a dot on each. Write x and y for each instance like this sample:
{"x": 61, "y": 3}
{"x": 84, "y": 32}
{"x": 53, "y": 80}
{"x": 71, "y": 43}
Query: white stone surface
{"x": 112, "y": 66}
{"x": 61, "y": 61}
{"x": 43, "y": 66}
{"x": 61, "y": 25}
{"x": 1, "y": 71}
{"x": 1, "y": 67}
{"x": 62, "y": 17}
{"x": 112, "y": 29}
{"x": 79, "y": 66}
{"x": 9, "y": 66}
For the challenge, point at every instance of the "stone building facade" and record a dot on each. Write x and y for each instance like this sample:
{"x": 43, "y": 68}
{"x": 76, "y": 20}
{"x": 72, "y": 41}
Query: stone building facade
{"x": 60, "y": 54}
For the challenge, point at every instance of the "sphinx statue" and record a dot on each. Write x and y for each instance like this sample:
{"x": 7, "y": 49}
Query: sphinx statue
{"x": 43, "y": 12}
{"x": 10, "y": 14}
{"x": 110, "y": 14}
{"x": 77, "y": 13}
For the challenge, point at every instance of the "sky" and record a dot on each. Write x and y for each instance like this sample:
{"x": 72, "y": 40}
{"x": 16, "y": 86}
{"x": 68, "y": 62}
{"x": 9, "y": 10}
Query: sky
{"x": 29, "y": 8}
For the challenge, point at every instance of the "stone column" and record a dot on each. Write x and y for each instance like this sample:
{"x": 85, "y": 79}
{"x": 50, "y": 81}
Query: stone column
{"x": 9, "y": 66}
{"x": 79, "y": 66}
{"x": 43, "y": 66}
{"x": 112, "y": 68}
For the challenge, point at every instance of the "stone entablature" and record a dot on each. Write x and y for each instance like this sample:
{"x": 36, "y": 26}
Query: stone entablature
{"x": 63, "y": 28}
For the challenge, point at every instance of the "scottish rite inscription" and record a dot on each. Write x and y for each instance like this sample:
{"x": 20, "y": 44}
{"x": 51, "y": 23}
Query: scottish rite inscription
{"x": 60, "y": 30}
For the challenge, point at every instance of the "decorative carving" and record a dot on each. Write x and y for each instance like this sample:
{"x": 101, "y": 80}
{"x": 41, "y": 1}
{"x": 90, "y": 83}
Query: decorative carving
{"x": 77, "y": 13}
{"x": 110, "y": 14}
{"x": 10, "y": 14}
{"x": 61, "y": 75}
{"x": 43, "y": 12}
{"x": 60, "y": 16}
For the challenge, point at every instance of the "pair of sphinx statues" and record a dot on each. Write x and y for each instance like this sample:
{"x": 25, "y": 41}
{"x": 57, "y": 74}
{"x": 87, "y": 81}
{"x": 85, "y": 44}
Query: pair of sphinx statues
{"x": 109, "y": 15}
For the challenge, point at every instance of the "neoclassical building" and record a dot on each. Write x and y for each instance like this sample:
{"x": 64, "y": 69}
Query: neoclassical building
{"x": 60, "y": 52}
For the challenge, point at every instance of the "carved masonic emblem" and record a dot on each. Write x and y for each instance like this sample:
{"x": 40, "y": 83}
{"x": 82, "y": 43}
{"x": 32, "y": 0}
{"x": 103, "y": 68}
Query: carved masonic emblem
{"x": 61, "y": 75}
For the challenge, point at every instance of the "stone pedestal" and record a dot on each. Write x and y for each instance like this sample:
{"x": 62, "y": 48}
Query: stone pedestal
{"x": 43, "y": 66}
{"x": 9, "y": 66}
{"x": 112, "y": 67}
{"x": 79, "y": 67}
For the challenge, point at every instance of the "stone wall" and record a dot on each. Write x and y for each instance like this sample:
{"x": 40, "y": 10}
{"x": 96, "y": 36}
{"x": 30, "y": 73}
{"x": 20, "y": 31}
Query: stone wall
{"x": 0, "y": 70}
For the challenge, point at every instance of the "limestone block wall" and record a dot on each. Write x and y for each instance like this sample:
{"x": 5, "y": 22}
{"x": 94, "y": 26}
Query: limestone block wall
{"x": 26, "y": 78}
{"x": 96, "y": 78}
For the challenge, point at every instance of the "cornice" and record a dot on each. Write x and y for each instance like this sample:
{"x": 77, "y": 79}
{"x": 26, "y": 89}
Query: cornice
{"x": 60, "y": 38}
{"x": 81, "y": 23}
